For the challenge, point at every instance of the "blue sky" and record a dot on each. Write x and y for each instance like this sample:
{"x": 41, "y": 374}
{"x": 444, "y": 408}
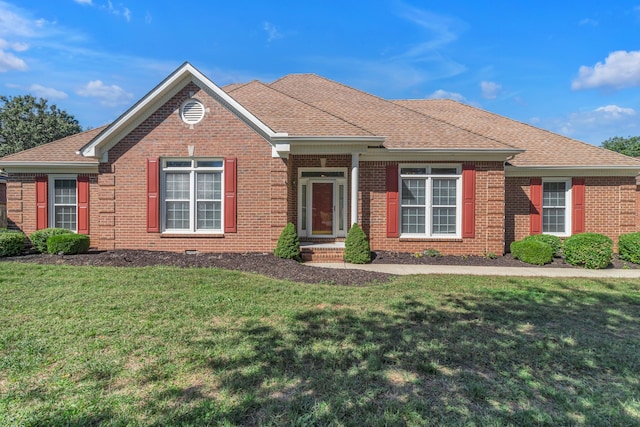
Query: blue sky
{"x": 572, "y": 67}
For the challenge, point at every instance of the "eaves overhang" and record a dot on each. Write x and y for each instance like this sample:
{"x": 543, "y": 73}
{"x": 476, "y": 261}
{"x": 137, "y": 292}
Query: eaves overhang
{"x": 427, "y": 154}
{"x": 564, "y": 171}
{"x": 49, "y": 167}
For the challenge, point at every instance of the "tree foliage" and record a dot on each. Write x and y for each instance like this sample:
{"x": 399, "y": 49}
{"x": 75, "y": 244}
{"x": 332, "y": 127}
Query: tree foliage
{"x": 26, "y": 122}
{"x": 629, "y": 146}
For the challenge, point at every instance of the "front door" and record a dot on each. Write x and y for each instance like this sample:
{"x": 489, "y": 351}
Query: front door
{"x": 322, "y": 209}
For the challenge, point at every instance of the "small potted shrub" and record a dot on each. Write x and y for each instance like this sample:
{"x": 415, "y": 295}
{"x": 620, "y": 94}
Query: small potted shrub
{"x": 288, "y": 246}
{"x": 356, "y": 246}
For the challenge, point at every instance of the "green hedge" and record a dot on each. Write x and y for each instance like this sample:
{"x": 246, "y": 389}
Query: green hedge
{"x": 288, "y": 246}
{"x": 553, "y": 241}
{"x": 39, "y": 238}
{"x": 68, "y": 244}
{"x": 356, "y": 246}
{"x": 532, "y": 251}
{"x": 12, "y": 243}
{"x": 591, "y": 250}
{"x": 629, "y": 247}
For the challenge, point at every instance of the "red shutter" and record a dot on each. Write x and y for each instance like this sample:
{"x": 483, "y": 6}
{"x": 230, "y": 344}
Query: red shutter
{"x": 42, "y": 199}
{"x": 535, "y": 216}
{"x": 468, "y": 201}
{"x": 578, "y": 198}
{"x": 153, "y": 196}
{"x": 230, "y": 195}
{"x": 83, "y": 205}
{"x": 392, "y": 201}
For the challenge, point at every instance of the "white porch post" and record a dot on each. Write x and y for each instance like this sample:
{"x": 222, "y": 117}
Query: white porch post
{"x": 355, "y": 161}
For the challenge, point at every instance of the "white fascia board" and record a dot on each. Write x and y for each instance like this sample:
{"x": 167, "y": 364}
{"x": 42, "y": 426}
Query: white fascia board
{"x": 49, "y": 167}
{"x": 158, "y": 96}
{"x": 559, "y": 171}
{"x": 330, "y": 140}
{"x": 408, "y": 154}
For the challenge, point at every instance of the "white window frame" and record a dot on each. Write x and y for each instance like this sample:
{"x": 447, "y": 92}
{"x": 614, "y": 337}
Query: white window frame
{"x": 51, "y": 198}
{"x": 192, "y": 171}
{"x": 338, "y": 232}
{"x": 429, "y": 176}
{"x": 568, "y": 208}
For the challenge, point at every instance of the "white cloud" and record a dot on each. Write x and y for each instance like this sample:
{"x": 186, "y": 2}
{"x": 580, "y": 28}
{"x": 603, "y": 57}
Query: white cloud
{"x": 443, "y": 94}
{"x": 621, "y": 69}
{"x": 594, "y": 126}
{"x": 490, "y": 90}
{"x": 47, "y": 92}
{"x": 272, "y": 32}
{"x": 9, "y": 61}
{"x": 89, "y": 2}
{"x": 109, "y": 95}
{"x": 589, "y": 21}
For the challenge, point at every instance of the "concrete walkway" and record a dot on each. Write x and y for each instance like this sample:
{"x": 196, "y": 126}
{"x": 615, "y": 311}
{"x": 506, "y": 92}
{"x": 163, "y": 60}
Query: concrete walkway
{"x": 401, "y": 269}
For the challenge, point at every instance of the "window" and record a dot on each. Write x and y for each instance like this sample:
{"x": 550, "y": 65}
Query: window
{"x": 430, "y": 201}
{"x": 556, "y": 199}
{"x": 64, "y": 203}
{"x": 192, "y": 191}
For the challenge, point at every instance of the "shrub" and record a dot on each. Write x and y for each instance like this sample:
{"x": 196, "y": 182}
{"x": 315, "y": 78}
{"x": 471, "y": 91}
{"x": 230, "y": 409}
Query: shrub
{"x": 288, "y": 246}
{"x": 12, "y": 243}
{"x": 629, "y": 247}
{"x": 532, "y": 251}
{"x": 553, "y": 241}
{"x": 356, "y": 246}
{"x": 68, "y": 244}
{"x": 591, "y": 250}
{"x": 39, "y": 238}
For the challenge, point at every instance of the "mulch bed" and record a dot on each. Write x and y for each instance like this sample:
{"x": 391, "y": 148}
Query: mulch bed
{"x": 268, "y": 265}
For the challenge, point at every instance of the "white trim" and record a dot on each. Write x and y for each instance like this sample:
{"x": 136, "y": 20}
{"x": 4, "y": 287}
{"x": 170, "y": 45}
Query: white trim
{"x": 429, "y": 177}
{"x": 565, "y": 171}
{"x": 185, "y": 74}
{"x": 192, "y": 171}
{"x": 52, "y": 178}
{"x": 355, "y": 166}
{"x": 568, "y": 208}
{"x": 337, "y": 181}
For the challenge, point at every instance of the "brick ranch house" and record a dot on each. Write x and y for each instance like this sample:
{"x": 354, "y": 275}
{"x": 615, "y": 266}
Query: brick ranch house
{"x": 196, "y": 167}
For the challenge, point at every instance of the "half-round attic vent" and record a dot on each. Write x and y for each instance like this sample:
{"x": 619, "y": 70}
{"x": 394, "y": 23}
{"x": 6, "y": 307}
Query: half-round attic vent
{"x": 192, "y": 111}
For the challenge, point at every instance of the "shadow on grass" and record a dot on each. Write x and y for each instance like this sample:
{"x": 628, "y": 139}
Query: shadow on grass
{"x": 533, "y": 357}
{"x": 529, "y": 356}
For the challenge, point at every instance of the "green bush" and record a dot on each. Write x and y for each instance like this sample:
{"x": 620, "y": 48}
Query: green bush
{"x": 553, "y": 241}
{"x": 591, "y": 250}
{"x": 288, "y": 246}
{"x": 39, "y": 238}
{"x": 532, "y": 251}
{"x": 629, "y": 247}
{"x": 356, "y": 246}
{"x": 68, "y": 244}
{"x": 12, "y": 243}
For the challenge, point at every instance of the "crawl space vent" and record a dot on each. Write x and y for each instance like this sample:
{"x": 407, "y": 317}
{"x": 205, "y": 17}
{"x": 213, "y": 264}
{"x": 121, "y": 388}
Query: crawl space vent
{"x": 192, "y": 112}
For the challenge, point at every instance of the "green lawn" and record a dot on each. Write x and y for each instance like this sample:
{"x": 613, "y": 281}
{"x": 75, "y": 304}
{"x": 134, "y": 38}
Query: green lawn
{"x": 165, "y": 346}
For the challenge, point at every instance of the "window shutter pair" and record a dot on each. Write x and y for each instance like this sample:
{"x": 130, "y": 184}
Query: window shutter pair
{"x": 577, "y": 198}
{"x": 230, "y": 195}
{"x": 468, "y": 201}
{"x": 42, "y": 203}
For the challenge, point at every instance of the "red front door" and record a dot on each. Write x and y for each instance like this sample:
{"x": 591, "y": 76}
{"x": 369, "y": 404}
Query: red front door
{"x": 322, "y": 208}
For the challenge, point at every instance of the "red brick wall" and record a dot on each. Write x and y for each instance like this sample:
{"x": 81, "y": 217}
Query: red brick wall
{"x": 261, "y": 180}
{"x": 610, "y": 207}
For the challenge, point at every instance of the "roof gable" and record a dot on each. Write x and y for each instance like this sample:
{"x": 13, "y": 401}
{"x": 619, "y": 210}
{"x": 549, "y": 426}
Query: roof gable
{"x": 157, "y": 97}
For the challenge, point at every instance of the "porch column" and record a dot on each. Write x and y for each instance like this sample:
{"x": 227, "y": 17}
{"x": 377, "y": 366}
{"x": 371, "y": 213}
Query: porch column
{"x": 355, "y": 159}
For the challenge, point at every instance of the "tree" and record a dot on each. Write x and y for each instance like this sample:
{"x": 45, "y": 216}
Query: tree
{"x": 26, "y": 122}
{"x": 629, "y": 146}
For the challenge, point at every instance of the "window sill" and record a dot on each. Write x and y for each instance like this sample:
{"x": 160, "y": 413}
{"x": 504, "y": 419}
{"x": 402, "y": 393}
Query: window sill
{"x": 192, "y": 235}
{"x": 430, "y": 239}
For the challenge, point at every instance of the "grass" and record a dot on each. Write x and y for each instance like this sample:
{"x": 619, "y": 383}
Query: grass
{"x": 165, "y": 346}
